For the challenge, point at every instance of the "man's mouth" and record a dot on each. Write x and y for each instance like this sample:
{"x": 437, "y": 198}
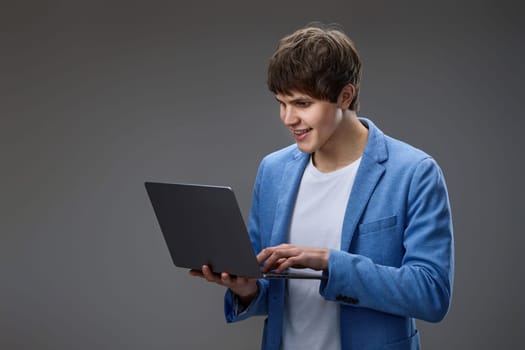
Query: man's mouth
{"x": 301, "y": 131}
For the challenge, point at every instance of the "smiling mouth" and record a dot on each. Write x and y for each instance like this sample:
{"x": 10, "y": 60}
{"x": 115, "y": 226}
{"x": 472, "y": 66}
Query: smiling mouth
{"x": 301, "y": 131}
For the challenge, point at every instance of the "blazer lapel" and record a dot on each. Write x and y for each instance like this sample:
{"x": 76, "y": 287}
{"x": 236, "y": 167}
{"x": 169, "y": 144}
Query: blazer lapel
{"x": 291, "y": 178}
{"x": 368, "y": 175}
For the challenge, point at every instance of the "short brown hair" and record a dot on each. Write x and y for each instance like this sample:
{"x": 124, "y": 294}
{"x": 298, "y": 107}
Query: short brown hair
{"x": 316, "y": 60}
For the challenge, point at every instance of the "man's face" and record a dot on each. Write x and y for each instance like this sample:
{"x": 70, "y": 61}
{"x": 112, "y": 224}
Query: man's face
{"x": 312, "y": 122}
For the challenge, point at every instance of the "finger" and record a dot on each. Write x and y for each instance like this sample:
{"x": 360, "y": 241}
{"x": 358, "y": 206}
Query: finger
{"x": 268, "y": 251}
{"x": 264, "y": 254}
{"x": 284, "y": 257}
{"x": 234, "y": 282}
{"x": 209, "y": 275}
{"x": 226, "y": 279}
{"x": 275, "y": 260}
{"x": 288, "y": 263}
{"x": 196, "y": 273}
{"x": 283, "y": 264}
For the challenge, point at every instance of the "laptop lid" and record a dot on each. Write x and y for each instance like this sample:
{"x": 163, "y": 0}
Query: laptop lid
{"x": 203, "y": 225}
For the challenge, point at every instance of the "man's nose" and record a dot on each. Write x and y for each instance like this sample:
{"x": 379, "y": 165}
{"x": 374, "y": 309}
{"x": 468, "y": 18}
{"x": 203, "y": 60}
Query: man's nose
{"x": 288, "y": 116}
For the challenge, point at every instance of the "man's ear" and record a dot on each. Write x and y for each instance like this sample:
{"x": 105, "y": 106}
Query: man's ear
{"x": 346, "y": 96}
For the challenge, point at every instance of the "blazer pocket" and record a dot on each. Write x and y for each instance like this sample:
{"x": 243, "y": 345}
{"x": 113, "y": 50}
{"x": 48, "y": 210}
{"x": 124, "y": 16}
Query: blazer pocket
{"x": 412, "y": 343}
{"x": 378, "y": 225}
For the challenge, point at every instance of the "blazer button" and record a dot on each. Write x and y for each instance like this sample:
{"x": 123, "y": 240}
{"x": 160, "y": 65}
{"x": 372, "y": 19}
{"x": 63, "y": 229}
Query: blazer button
{"x": 346, "y": 299}
{"x": 353, "y": 301}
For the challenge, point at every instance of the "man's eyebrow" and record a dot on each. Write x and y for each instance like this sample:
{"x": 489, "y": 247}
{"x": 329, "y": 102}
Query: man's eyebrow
{"x": 294, "y": 100}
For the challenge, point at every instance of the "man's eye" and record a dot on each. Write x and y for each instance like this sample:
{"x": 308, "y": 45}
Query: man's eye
{"x": 303, "y": 103}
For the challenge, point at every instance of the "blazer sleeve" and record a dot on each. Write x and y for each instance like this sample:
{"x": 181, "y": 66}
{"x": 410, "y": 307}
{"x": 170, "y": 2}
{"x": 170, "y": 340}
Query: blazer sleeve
{"x": 421, "y": 287}
{"x": 259, "y": 306}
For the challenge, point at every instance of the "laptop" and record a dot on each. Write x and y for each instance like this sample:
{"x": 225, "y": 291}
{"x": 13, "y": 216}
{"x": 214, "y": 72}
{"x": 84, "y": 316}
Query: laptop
{"x": 203, "y": 225}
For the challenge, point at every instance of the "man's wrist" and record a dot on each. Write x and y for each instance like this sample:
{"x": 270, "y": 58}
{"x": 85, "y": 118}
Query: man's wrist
{"x": 246, "y": 298}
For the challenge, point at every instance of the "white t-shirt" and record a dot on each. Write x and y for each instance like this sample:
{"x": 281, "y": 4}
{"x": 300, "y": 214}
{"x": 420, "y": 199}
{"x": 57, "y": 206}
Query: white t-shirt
{"x": 310, "y": 321}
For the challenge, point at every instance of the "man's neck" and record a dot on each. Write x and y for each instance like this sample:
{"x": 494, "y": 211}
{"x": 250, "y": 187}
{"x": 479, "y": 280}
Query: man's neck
{"x": 345, "y": 146}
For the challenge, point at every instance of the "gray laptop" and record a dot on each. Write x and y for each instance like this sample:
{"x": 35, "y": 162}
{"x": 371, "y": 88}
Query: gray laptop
{"x": 203, "y": 225}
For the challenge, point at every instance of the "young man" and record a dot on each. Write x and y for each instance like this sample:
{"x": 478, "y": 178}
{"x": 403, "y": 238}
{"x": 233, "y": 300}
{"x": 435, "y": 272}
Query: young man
{"x": 369, "y": 212}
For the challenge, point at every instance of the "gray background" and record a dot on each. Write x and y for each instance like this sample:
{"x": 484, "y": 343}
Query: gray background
{"x": 97, "y": 97}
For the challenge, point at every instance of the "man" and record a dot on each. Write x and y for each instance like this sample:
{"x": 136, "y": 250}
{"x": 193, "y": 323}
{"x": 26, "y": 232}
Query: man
{"x": 369, "y": 212}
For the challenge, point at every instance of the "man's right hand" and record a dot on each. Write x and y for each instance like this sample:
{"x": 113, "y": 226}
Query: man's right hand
{"x": 245, "y": 288}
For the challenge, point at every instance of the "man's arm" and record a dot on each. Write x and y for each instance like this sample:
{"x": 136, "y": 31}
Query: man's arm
{"x": 422, "y": 286}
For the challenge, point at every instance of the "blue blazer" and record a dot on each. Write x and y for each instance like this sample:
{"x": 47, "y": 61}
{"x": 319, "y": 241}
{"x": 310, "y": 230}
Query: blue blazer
{"x": 396, "y": 260}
